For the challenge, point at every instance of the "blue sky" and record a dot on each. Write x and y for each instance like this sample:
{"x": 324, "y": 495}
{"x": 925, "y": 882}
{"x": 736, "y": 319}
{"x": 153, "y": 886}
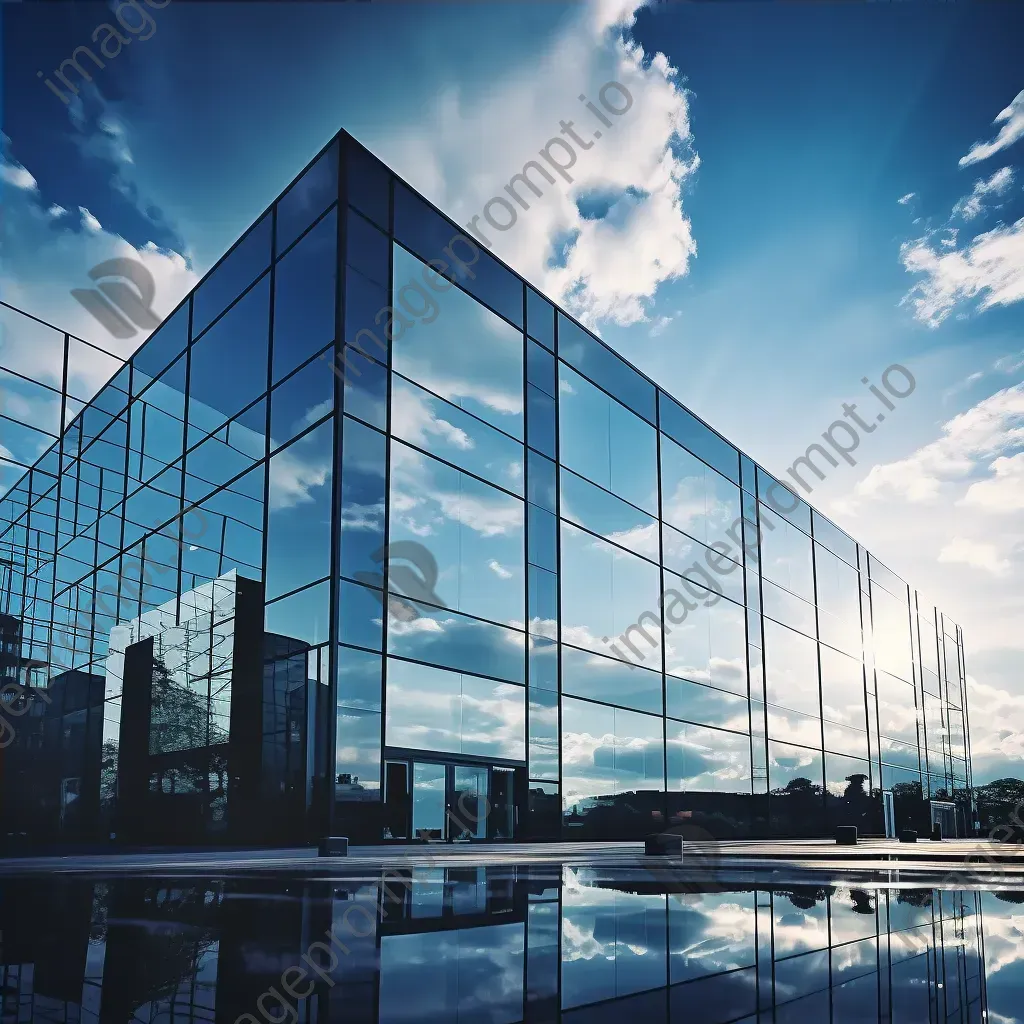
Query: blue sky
{"x": 750, "y": 250}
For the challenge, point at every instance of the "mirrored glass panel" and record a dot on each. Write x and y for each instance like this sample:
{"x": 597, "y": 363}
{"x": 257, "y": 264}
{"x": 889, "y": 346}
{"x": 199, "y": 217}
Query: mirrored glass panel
{"x": 433, "y": 709}
{"x": 705, "y": 636}
{"x": 610, "y": 681}
{"x": 473, "y": 531}
{"x": 452, "y": 345}
{"x": 608, "y": 516}
{"x": 605, "y": 442}
{"x": 446, "y": 431}
{"x": 607, "y": 591}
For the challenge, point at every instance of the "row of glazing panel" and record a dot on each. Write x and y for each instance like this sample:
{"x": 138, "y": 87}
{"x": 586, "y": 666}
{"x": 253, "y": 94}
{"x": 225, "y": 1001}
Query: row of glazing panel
{"x": 559, "y": 491}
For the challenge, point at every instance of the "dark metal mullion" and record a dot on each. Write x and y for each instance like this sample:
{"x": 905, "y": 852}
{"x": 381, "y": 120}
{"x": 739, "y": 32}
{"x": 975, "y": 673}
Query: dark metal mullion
{"x": 560, "y": 832}
{"x": 664, "y": 644}
{"x": 386, "y": 564}
{"x": 821, "y": 696}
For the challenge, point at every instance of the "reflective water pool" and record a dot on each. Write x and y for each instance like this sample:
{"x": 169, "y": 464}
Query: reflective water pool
{"x": 495, "y": 945}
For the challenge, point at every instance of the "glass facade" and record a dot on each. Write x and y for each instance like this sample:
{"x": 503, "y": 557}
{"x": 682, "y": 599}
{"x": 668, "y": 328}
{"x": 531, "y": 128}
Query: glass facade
{"x": 371, "y": 538}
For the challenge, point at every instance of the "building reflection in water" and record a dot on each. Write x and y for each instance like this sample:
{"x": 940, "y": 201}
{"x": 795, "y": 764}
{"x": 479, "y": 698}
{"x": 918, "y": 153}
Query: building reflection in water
{"x": 495, "y": 945}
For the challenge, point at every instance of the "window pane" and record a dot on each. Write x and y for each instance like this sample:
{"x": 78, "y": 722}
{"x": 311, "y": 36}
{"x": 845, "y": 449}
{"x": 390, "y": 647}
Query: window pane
{"x": 606, "y": 443}
{"x": 697, "y": 500}
{"x": 299, "y": 525}
{"x": 364, "y": 455}
{"x": 432, "y": 237}
{"x": 706, "y": 705}
{"x": 791, "y": 669}
{"x": 786, "y": 556}
{"x": 702, "y": 760}
{"x": 360, "y": 615}
{"x": 239, "y": 340}
{"x": 848, "y": 794}
{"x": 834, "y": 539}
{"x": 543, "y": 734}
{"x": 709, "y": 568}
{"x": 455, "y": 641}
{"x": 795, "y": 778}
{"x": 249, "y": 258}
{"x": 359, "y": 679}
{"x": 304, "y": 298}
{"x": 682, "y": 426}
{"x": 299, "y": 402}
{"x": 357, "y": 761}
{"x": 449, "y": 433}
{"x": 433, "y": 709}
{"x": 456, "y": 347}
{"x": 782, "y": 501}
{"x": 369, "y": 184}
{"x": 605, "y": 591}
{"x": 307, "y": 198}
{"x": 610, "y": 681}
{"x": 540, "y": 319}
{"x": 838, "y": 602}
{"x": 303, "y": 618}
{"x": 613, "y": 774}
{"x": 705, "y": 636}
{"x": 473, "y": 531}
{"x": 603, "y": 366}
{"x": 610, "y": 517}
{"x": 540, "y": 423}
{"x": 366, "y": 388}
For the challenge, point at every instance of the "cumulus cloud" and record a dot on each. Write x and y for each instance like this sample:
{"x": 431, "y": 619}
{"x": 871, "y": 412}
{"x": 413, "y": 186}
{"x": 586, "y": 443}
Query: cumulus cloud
{"x": 992, "y": 427}
{"x": 970, "y": 206}
{"x": 1011, "y": 119}
{"x": 469, "y": 149}
{"x": 989, "y": 268}
{"x": 980, "y": 554}
{"x": 998, "y": 732}
{"x": 1002, "y": 492}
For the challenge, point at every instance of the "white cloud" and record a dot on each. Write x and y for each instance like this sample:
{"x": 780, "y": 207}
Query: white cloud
{"x": 970, "y": 206}
{"x": 89, "y": 222}
{"x": 499, "y": 570}
{"x": 1012, "y": 120}
{"x": 470, "y": 146}
{"x": 989, "y": 268}
{"x": 980, "y": 554}
{"x": 1003, "y": 492}
{"x": 56, "y": 211}
{"x": 996, "y": 721}
{"x": 990, "y": 428}
{"x": 18, "y": 176}
{"x": 903, "y": 200}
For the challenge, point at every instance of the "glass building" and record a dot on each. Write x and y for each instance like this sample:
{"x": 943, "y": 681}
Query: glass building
{"x": 369, "y": 538}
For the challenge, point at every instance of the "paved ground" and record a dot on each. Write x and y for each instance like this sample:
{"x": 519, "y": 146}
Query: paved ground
{"x": 960, "y": 856}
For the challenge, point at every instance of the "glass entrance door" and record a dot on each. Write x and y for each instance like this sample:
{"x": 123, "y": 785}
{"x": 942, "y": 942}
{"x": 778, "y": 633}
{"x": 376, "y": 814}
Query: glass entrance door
{"x": 429, "y": 800}
{"x": 889, "y": 810}
{"x": 449, "y": 802}
{"x": 468, "y": 806}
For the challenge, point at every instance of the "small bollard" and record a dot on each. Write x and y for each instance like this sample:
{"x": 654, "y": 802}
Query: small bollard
{"x": 908, "y": 835}
{"x": 663, "y": 844}
{"x": 846, "y": 835}
{"x": 334, "y": 846}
